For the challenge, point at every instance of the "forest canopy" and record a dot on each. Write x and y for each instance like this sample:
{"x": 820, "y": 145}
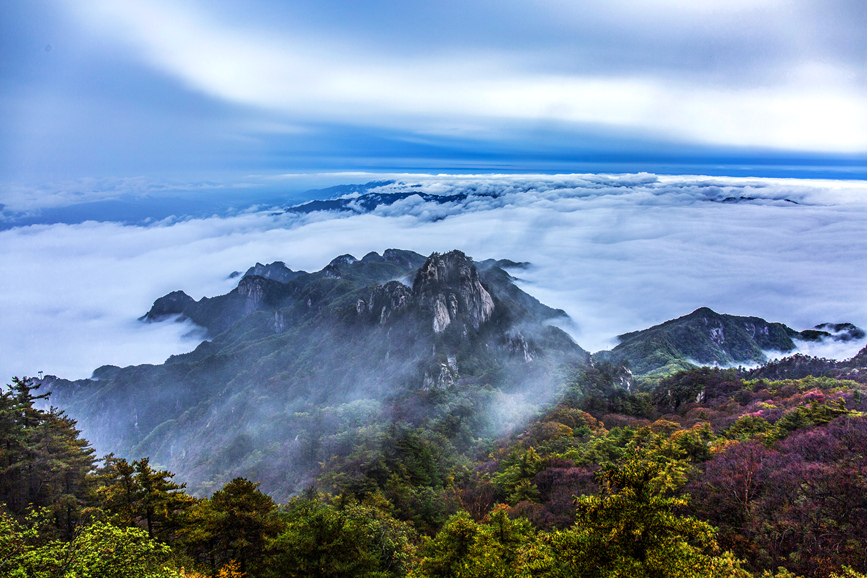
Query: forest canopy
{"x": 708, "y": 474}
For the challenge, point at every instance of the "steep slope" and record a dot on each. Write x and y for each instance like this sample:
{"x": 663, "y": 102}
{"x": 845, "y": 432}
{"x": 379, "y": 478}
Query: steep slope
{"x": 351, "y": 339}
{"x": 703, "y": 337}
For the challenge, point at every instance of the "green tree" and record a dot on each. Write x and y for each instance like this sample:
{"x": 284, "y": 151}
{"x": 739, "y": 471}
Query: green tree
{"x": 99, "y": 550}
{"x": 43, "y": 462}
{"x": 321, "y": 540}
{"x": 467, "y": 549}
{"x": 516, "y": 478}
{"x": 137, "y": 494}
{"x": 243, "y": 520}
{"x": 631, "y": 529}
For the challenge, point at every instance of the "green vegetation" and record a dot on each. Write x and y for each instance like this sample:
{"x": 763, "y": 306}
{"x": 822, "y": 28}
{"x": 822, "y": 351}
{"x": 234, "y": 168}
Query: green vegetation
{"x": 703, "y": 337}
{"x": 320, "y": 358}
{"x": 705, "y": 475}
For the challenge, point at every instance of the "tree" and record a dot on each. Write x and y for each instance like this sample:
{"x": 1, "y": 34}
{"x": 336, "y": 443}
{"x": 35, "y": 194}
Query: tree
{"x": 99, "y": 550}
{"x": 43, "y": 462}
{"x": 354, "y": 540}
{"x": 135, "y": 493}
{"x": 467, "y": 549}
{"x": 243, "y": 520}
{"x": 631, "y": 529}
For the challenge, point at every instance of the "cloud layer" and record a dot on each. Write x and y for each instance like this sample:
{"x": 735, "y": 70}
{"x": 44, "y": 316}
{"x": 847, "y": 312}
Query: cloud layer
{"x": 720, "y": 93}
{"x": 187, "y": 88}
{"x": 618, "y": 253}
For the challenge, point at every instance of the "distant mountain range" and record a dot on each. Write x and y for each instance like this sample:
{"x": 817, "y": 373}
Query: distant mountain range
{"x": 365, "y": 198}
{"x": 298, "y": 363}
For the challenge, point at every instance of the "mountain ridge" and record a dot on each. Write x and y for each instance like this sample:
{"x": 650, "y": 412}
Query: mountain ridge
{"x": 349, "y": 334}
{"x": 394, "y": 337}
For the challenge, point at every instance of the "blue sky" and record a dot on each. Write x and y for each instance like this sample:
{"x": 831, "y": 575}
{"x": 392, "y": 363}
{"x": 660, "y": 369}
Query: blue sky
{"x": 221, "y": 90}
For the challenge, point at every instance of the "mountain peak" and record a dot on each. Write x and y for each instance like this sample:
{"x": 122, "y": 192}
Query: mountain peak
{"x": 278, "y": 271}
{"x": 449, "y": 288}
{"x": 703, "y": 312}
{"x": 175, "y": 303}
{"x": 346, "y": 259}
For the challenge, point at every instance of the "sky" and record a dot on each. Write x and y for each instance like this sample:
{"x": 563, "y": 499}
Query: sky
{"x": 143, "y": 145}
{"x": 220, "y": 90}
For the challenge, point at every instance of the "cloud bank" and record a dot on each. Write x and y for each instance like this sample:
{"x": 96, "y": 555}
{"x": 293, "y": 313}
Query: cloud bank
{"x": 817, "y": 104}
{"x": 616, "y": 252}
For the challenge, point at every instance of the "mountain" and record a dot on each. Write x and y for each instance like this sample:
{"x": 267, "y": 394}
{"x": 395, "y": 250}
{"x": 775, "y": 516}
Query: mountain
{"x": 278, "y": 271}
{"x": 800, "y": 366}
{"x": 294, "y": 371}
{"x": 302, "y": 369}
{"x": 367, "y": 197}
{"x": 703, "y": 337}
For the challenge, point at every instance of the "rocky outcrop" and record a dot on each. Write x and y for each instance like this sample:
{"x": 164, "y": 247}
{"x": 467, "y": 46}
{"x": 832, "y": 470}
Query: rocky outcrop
{"x": 175, "y": 303}
{"x": 258, "y": 292}
{"x": 278, "y": 271}
{"x": 447, "y": 287}
{"x": 385, "y": 301}
{"x": 447, "y": 292}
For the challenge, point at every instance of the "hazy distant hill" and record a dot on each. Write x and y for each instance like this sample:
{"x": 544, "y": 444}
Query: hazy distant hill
{"x": 704, "y": 337}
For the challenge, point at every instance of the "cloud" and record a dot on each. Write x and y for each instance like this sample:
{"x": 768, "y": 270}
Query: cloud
{"x": 811, "y": 101}
{"x": 618, "y": 253}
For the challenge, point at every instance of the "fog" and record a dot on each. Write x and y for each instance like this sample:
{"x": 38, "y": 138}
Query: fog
{"x": 616, "y": 252}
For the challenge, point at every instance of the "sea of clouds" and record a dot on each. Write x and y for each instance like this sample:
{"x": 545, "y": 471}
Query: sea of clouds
{"x": 617, "y": 252}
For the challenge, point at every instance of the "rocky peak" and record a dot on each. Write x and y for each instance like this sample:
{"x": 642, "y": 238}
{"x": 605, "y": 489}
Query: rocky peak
{"x": 278, "y": 271}
{"x": 334, "y": 268}
{"x": 258, "y": 291}
{"x": 448, "y": 287}
{"x": 175, "y": 303}
{"x": 343, "y": 260}
{"x": 384, "y": 301}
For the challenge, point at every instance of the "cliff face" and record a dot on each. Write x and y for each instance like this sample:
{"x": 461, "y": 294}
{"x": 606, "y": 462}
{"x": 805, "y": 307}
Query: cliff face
{"x": 384, "y": 302}
{"x": 447, "y": 287}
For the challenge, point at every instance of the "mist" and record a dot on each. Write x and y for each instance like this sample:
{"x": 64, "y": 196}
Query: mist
{"x": 616, "y": 252}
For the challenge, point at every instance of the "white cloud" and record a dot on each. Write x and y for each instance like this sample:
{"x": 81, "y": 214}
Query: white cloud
{"x": 618, "y": 253}
{"x": 812, "y": 103}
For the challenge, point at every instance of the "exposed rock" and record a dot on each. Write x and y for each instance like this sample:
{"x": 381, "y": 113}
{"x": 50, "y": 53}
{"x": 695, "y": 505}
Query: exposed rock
{"x": 517, "y": 345}
{"x": 385, "y": 301}
{"x": 175, "y": 303}
{"x": 445, "y": 378}
{"x": 448, "y": 287}
{"x": 278, "y": 324}
{"x": 277, "y": 271}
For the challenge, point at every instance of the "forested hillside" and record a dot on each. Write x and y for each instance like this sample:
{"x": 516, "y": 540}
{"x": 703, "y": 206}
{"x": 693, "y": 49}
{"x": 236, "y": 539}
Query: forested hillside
{"x": 707, "y": 474}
